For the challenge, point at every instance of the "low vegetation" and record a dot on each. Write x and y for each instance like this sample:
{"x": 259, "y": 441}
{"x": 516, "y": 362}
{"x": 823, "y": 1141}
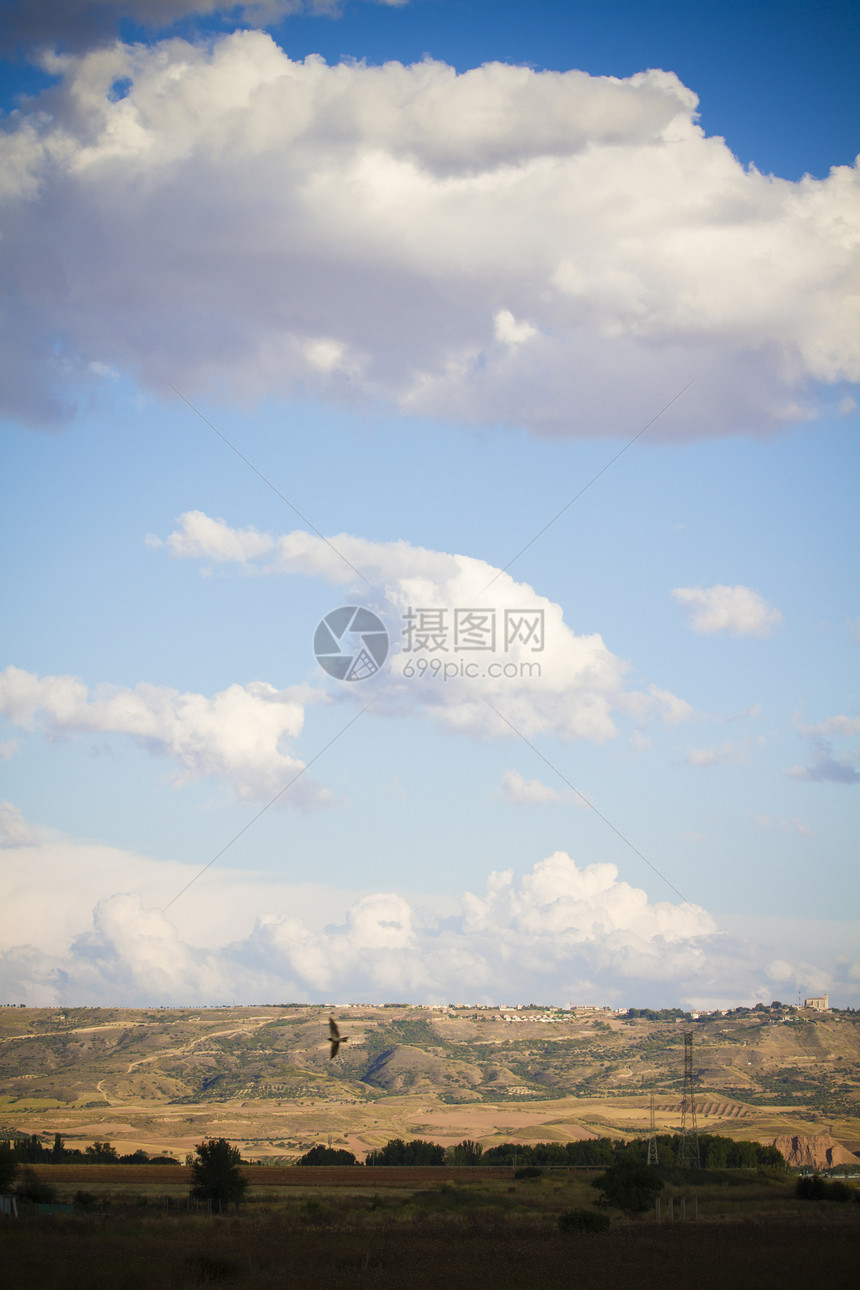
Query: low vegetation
{"x": 403, "y": 1232}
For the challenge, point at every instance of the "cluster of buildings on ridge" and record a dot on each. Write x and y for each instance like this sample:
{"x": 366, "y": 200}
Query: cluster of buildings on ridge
{"x": 818, "y": 1003}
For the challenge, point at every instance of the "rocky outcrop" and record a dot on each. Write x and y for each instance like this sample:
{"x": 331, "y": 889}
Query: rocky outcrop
{"x": 818, "y": 1151}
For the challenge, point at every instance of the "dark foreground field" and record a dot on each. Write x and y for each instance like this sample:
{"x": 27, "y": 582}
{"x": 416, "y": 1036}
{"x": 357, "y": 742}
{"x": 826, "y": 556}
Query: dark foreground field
{"x": 421, "y": 1227}
{"x": 326, "y": 1249}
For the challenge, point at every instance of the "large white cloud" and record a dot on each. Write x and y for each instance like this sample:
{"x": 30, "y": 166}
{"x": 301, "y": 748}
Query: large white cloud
{"x": 573, "y": 686}
{"x": 550, "y": 249}
{"x": 84, "y": 925}
{"x": 235, "y": 736}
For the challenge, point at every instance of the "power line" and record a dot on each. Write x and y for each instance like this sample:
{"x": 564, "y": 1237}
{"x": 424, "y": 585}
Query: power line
{"x": 277, "y": 796}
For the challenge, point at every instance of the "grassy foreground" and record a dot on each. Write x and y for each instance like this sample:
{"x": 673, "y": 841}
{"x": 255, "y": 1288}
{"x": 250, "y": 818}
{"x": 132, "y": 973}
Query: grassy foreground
{"x": 408, "y": 1233}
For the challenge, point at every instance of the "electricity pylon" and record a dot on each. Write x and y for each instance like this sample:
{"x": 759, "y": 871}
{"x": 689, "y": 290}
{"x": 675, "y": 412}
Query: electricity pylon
{"x": 688, "y": 1149}
{"x": 653, "y": 1155}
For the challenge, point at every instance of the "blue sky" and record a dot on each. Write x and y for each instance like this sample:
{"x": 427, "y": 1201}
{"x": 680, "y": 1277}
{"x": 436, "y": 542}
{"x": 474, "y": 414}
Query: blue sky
{"x": 429, "y": 304}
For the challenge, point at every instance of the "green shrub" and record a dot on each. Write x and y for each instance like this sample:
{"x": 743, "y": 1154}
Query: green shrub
{"x": 817, "y": 1188}
{"x": 583, "y": 1220}
{"x": 629, "y": 1185}
{"x": 528, "y": 1171}
{"x": 33, "y": 1191}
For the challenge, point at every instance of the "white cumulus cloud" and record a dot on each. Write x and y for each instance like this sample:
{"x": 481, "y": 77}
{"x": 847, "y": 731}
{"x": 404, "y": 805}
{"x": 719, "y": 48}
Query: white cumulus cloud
{"x": 555, "y": 250}
{"x": 737, "y": 610}
{"x": 542, "y": 677}
{"x": 84, "y": 924}
{"x": 236, "y": 736}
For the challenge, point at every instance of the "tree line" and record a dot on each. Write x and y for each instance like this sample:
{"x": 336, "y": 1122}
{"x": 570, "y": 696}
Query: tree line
{"x": 715, "y": 1152}
{"x": 28, "y": 1149}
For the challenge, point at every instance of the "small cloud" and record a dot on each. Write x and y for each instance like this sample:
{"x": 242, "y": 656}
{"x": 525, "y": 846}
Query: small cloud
{"x": 201, "y": 537}
{"x": 754, "y": 711}
{"x": 8, "y": 749}
{"x": 838, "y": 725}
{"x": 691, "y": 836}
{"x": 828, "y": 765}
{"x": 826, "y": 768}
{"x": 509, "y": 331}
{"x": 790, "y": 825}
{"x": 105, "y": 370}
{"x": 725, "y": 755}
{"x": 531, "y": 791}
{"x": 738, "y": 610}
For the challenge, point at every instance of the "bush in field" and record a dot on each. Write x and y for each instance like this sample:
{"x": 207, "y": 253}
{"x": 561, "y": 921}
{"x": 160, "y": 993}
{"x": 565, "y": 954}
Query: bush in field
{"x": 629, "y": 1185}
{"x": 816, "y": 1188}
{"x": 528, "y": 1171}
{"x": 85, "y": 1200}
{"x": 320, "y": 1155}
{"x": 32, "y": 1191}
{"x": 215, "y": 1173}
{"x": 583, "y": 1220}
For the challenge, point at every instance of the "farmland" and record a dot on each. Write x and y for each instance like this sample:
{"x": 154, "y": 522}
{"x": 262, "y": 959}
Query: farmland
{"x": 161, "y": 1080}
{"x": 311, "y": 1228}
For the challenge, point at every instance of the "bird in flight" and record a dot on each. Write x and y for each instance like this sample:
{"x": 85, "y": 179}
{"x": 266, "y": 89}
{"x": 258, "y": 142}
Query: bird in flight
{"x": 335, "y": 1038}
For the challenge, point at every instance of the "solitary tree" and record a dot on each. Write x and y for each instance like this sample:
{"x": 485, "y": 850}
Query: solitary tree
{"x": 215, "y": 1173}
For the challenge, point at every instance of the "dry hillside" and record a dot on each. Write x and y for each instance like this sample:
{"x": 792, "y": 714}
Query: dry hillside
{"x": 162, "y": 1079}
